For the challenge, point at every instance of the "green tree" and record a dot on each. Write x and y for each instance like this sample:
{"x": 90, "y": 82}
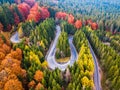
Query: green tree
{"x": 63, "y": 48}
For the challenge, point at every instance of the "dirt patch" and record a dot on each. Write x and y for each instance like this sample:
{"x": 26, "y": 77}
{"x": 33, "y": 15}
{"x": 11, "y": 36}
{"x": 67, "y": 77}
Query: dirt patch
{"x": 63, "y": 60}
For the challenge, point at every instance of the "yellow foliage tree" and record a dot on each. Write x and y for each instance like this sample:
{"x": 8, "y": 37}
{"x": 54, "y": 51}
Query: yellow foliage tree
{"x": 35, "y": 58}
{"x": 45, "y": 64}
{"x": 20, "y": 31}
{"x": 85, "y": 81}
{"x": 86, "y": 64}
{"x": 42, "y": 44}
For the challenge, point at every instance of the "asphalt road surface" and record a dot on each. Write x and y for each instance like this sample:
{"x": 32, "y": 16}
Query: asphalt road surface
{"x": 53, "y": 64}
{"x": 15, "y": 38}
{"x": 51, "y": 55}
{"x": 97, "y": 81}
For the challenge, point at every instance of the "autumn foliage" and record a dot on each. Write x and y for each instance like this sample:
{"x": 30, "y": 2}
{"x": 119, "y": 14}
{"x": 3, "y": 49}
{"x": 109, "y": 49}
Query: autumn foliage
{"x": 24, "y": 9}
{"x": 61, "y": 15}
{"x": 94, "y": 26}
{"x": 34, "y": 13}
{"x": 37, "y": 13}
{"x": 65, "y": 16}
{"x": 16, "y": 16}
{"x": 31, "y": 84}
{"x": 13, "y": 85}
{"x": 21, "y": 11}
{"x": 2, "y": 55}
{"x": 6, "y": 48}
{"x": 44, "y": 13}
{"x": 78, "y": 24}
{"x": 39, "y": 86}
{"x": 10, "y": 67}
{"x": 70, "y": 19}
{"x": 38, "y": 75}
{"x": 88, "y": 22}
{"x": 16, "y": 19}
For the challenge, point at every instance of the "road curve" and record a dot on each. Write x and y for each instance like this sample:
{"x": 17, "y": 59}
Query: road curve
{"x": 51, "y": 55}
{"x": 15, "y": 38}
{"x": 97, "y": 81}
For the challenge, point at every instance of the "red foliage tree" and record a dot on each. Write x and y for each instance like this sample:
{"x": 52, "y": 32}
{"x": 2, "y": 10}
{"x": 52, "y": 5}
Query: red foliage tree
{"x": 78, "y": 24}
{"x": 24, "y": 9}
{"x": 34, "y": 16}
{"x": 16, "y": 18}
{"x": 94, "y": 26}
{"x": 70, "y": 19}
{"x": 34, "y": 13}
{"x": 9, "y": 27}
{"x": 44, "y": 13}
{"x": 88, "y": 22}
{"x": 61, "y": 15}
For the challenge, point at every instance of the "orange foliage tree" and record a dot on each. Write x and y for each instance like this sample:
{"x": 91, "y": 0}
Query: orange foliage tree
{"x": 39, "y": 86}
{"x": 61, "y": 15}
{"x": 17, "y": 70}
{"x": 31, "y": 84}
{"x": 13, "y": 85}
{"x": 2, "y": 56}
{"x": 17, "y": 54}
{"x": 78, "y": 24}
{"x": 70, "y": 19}
{"x": 94, "y": 26}
{"x": 6, "y": 48}
{"x": 38, "y": 75}
{"x": 35, "y": 13}
{"x": 88, "y": 22}
{"x": 10, "y": 67}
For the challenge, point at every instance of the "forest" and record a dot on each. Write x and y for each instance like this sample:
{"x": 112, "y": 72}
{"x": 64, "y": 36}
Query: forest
{"x": 104, "y": 12}
{"x": 59, "y": 45}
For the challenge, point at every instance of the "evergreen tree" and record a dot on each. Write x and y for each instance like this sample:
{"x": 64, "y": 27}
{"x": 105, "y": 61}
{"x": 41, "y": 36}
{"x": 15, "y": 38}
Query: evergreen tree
{"x": 63, "y": 49}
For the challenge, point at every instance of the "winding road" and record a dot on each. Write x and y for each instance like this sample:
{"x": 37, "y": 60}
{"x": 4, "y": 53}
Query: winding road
{"x": 15, "y": 38}
{"x": 53, "y": 64}
{"x": 97, "y": 81}
{"x": 51, "y": 55}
